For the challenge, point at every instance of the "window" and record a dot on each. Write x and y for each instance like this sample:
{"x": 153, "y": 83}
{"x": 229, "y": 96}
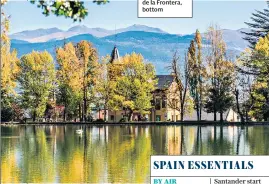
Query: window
{"x": 112, "y": 117}
{"x": 163, "y": 103}
{"x": 174, "y": 103}
{"x": 158, "y": 104}
{"x": 158, "y": 118}
{"x": 177, "y": 104}
{"x": 172, "y": 117}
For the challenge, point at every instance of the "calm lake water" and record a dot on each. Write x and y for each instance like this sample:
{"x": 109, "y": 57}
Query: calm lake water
{"x": 114, "y": 153}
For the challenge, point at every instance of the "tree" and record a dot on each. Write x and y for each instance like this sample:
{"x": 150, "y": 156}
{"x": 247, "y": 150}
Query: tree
{"x": 135, "y": 84}
{"x": 181, "y": 79}
{"x": 196, "y": 72}
{"x": 105, "y": 87}
{"x": 70, "y": 78}
{"x": 9, "y": 72}
{"x": 69, "y": 9}
{"x": 219, "y": 97}
{"x": 201, "y": 71}
{"x": 243, "y": 87}
{"x": 257, "y": 66}
{"x": 36, "y": 78}
{"x": 259, "y": 26}
{"x": 88, "y": 59}
{"x": 9, "y": 60}
{"x": 219, "y": 73}
{"x": 77, "y": 74}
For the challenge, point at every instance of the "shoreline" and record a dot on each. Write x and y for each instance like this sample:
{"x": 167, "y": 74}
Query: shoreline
{"x": 185, "y": 123}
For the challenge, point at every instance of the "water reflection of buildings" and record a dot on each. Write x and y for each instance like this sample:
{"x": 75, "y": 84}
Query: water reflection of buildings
{"x": 180, "y": 140}
{"x": 173, "y": 140}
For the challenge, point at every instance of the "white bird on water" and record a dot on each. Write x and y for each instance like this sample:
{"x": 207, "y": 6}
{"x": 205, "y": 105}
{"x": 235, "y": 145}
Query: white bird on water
{"x": 80, "y": 131}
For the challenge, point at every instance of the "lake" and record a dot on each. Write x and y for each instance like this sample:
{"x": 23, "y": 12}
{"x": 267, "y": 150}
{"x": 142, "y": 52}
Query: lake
{"x": 114, "y": 153}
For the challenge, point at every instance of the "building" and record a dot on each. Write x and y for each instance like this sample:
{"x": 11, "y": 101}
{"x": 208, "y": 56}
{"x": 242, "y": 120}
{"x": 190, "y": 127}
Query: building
{"x": 165, "y": 103}
{"x": 165, "y": 94}
{"x": 165, "y": 100}
{"x": 230, "y": 115}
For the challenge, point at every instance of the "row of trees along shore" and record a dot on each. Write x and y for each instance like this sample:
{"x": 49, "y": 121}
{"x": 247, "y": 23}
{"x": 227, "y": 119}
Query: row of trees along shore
{"x": 207, "y": 77}
{"x": 216, "y": 82}
{"x": 77, "y": 81}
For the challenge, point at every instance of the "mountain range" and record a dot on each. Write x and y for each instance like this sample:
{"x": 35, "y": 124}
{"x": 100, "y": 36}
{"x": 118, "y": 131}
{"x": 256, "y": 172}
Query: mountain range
{"x": 44, "y": 35}
{"x": 156, "y": 45}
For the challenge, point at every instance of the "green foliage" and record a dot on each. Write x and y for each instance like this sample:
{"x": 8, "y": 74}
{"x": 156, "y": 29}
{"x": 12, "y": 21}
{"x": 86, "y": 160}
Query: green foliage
{"x": 101, "y": 1}
{"x": 70, "y": 99}
{"x": 7, "y": 114}
{"x": 77, "y": 76}
{"x": 259, "y": 26}
{"x": 9, "y": 71}
{"x": 220, "y": 74}
{"x": 36, "y": 79}
{"x": 135, "y": 84}
{"x": 223, "y": 98}
{"x": 196, "y": 72}
{"x": 9, "y": 60}
{"x": 69, "y": 9}
{"x": 219, "y": 97}
{"x": 256, "y": 63}
{"x": 105, "y": 87}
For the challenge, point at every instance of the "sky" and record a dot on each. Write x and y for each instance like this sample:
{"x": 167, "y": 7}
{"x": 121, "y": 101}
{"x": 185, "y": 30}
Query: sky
{"x": 119, "y": 14}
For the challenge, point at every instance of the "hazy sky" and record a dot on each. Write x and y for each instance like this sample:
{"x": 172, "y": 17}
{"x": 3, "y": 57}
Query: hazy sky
{"x": 228, "y": 14}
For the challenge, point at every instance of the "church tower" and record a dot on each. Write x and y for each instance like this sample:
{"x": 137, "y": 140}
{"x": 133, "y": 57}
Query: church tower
{"x": 115, "y": 56}
{"x": 115, "y": 65}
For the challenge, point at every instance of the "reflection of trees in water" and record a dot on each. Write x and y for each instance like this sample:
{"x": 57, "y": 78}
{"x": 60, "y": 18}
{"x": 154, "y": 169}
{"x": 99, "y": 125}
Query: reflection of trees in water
{"x": 158, "y": 139}
{"x": 179, "y": 140}
{"x": 211, "y": 141}
{"x": 258, "y": 140}
{"x": 130, "y": 151}
{"x": 9, "y": 167}
{"x": 114, "y": 153}
{"x": 33, "y": 153}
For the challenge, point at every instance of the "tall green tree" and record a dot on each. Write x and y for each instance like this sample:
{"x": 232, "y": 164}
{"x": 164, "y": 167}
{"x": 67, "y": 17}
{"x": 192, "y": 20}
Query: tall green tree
{"x": 219, "y": 97}
{"x": 77, "y": 73}
{"x": 9, "y": 71}
{"x": 196, "y": 72}
{"x": 257, "y": 66}
{"x": 88, "y": 59}
{"x": 70, "y": 79}
{"x": 36, "y": 78}
{"x": 201, "y": 71}
{"x": 259, "y": 26}
{"x": 135, "y": 84}
{"x": 105, "y": 87}
{"x": 220, "y": 73}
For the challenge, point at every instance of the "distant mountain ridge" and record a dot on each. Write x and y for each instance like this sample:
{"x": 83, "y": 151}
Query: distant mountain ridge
{"x": 44, "y": 35}
{"x": 156, "y": 47}
{"x": 29, "y": 34}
